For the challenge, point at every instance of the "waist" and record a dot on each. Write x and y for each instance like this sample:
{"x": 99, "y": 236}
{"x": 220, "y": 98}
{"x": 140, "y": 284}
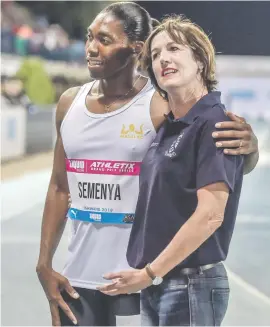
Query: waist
{"x": 198, "y": 270}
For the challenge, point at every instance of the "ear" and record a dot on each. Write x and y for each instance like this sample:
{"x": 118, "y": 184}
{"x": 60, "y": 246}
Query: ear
{"x": 200, "y": 67}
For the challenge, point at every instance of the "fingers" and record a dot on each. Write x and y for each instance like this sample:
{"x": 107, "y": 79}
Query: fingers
{"x": 107, "y": 287}
{"x": 232, "y": 125}
{"x": 231, "y": 144}
{"x": 71, "y": 291}
{"x": 55, "y": 314}
{"x": 235, "y": 117}
{"x": 235, "y": 152}
{"x": 113, "y": 275}
{"x": 62, "y": 304}
{"x": 232, "y": 134}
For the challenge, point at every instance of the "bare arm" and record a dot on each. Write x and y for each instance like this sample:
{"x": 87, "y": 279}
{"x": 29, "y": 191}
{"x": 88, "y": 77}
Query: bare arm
{"x": 207, "y": 218}
{"x": 54, "y": 221}
{"x": 158, "y": 109}
{"x": 56, "y": 206}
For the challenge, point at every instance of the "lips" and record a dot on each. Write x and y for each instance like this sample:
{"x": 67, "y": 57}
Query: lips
{"x": 94, "y": 62}
{"x": 168, "y": 71}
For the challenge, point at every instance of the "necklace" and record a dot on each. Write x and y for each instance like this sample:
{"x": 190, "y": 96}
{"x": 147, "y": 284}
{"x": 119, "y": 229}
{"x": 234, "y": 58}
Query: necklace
{"x": 107, "y": 107}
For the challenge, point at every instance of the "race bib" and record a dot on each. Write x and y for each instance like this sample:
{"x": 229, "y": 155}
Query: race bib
{"x": 103, "y": 192}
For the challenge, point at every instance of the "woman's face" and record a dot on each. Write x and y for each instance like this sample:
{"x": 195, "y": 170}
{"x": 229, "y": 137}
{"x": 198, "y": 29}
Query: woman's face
{"x": 173, "y": 64}
{"x": 107, "y": 47}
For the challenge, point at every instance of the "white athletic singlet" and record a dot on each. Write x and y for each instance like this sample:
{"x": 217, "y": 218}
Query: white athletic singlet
{"x": 103, "y": 157}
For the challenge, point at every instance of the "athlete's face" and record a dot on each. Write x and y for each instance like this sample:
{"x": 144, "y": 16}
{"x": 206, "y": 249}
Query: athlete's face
{"x": 108, "y": 50}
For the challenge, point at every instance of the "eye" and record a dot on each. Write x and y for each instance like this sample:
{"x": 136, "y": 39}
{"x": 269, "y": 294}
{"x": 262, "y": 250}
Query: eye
{"x": 105, "y": 40}
{"x": 154, "y": 55}
{"x": 174, "y": 48}
{"x": 89, "y": 37}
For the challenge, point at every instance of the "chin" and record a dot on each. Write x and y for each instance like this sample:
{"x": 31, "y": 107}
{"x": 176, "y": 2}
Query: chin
{"x": 169, "y": 85}
{"x": 95, "y": 74}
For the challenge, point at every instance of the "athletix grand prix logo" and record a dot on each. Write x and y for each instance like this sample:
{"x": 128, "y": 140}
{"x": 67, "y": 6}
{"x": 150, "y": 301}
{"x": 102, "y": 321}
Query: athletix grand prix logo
{"x": 104, "y": 167}
{"x": 131, "y": 132}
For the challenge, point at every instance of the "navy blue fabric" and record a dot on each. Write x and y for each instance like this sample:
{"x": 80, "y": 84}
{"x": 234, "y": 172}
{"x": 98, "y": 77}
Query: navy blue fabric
{"x": 182, "y": 159}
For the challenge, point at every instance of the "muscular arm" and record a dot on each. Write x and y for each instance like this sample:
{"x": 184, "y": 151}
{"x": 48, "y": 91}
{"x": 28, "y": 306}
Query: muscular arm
{"x": 54, "y": 221}
{"x": 245, "y": 141}
{"x": 158, "y": 108}
{"x": 56, "y": 205}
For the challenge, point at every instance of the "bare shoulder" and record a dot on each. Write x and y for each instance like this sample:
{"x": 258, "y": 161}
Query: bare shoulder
{"x": 66, "y": 99}
{"x": 65, "y": 102}
{"x": 158, "y": 108}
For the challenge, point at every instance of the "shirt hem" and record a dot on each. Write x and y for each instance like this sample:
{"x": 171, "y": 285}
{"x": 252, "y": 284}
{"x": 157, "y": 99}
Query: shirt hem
{"x": 84, "y": 284}
{"x": 88, "y": 285}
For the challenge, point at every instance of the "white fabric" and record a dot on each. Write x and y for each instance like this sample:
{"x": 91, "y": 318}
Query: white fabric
{"x": 121, "y": 135}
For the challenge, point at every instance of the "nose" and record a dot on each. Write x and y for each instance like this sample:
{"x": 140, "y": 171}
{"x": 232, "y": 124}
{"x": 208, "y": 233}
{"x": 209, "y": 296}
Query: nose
{"x": 164, "y": 58}
{"x": 91, "y": 48}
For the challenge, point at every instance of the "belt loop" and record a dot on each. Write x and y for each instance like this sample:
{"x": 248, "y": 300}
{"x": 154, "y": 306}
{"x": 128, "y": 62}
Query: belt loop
{"x": 200, "y": 270}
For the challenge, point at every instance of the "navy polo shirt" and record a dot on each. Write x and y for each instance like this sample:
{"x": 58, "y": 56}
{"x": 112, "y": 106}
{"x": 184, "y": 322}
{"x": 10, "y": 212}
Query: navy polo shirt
{"x": 182, "y": 159}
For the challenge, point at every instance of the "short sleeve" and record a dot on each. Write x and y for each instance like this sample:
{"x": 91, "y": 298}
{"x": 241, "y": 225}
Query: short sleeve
{"x": 213, "y": 165}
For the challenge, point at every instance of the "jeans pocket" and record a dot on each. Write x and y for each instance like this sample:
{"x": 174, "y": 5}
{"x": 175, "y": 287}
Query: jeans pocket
{"x": 220, "y": 299}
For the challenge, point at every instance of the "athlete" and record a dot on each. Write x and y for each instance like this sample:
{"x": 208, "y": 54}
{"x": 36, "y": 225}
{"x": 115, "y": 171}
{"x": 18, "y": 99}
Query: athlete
{"x": 104, "y": 128}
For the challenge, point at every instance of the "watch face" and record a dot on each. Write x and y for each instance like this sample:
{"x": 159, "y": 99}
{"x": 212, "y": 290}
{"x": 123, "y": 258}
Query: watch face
{"x": 157, "y": 280}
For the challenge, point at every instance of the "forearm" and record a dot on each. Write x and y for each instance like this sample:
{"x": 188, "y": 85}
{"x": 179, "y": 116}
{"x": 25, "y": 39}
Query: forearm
{"x": 53, "y": 224}
{"x": 250, "y": 162}
{"x": 191, "y": 235}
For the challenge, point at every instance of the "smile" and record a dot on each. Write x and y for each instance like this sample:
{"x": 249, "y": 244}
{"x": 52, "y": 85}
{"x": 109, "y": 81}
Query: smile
{"x": 168, "y": 71}
{"x": 93, "y": 62}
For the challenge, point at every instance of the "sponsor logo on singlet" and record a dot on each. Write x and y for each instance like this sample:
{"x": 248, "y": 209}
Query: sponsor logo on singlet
{"x": 103, "y": 167}
{"x": 132, "y": 132}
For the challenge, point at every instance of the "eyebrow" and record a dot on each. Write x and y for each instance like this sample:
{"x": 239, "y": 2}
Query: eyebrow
{"x": 169, "y": 43}
{"x": 100, "y": 33}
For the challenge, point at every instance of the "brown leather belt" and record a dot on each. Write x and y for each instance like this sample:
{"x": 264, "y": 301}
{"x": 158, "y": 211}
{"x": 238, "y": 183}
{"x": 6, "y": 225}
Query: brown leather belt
{"x": 197, "y": 270}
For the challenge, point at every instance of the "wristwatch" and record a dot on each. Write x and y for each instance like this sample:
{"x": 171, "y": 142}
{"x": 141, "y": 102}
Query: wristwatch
{"x": 155, "y": 279}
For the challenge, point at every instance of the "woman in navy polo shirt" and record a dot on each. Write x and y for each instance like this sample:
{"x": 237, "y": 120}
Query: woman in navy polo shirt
{"x": 189, "y": 190}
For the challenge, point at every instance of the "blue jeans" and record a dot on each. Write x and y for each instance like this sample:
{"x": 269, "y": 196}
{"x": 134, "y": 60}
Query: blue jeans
{"x": 187, "y": 300}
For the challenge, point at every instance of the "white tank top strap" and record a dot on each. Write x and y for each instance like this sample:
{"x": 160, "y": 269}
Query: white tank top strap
{"x": 82, "y": 93}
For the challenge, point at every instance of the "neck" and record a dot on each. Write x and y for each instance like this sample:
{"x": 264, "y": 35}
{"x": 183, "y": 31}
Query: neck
{"x": 120, "y": 83}
{"x": 182, "y": 100}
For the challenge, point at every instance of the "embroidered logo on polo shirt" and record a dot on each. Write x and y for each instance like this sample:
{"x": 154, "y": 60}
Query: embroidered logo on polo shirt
{"x": 171, "y": 152}
{"x": 131, "y": 132}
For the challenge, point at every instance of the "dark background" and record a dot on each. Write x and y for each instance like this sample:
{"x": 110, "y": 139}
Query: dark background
{"x": 236, "y": 27}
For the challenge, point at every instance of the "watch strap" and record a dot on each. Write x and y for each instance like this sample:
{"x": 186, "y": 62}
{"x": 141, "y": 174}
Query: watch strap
{"x": 150, "y": 272}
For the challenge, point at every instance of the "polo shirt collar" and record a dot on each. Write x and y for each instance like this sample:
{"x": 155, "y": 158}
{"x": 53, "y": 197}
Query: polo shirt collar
{"x": 207, "y": 101}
